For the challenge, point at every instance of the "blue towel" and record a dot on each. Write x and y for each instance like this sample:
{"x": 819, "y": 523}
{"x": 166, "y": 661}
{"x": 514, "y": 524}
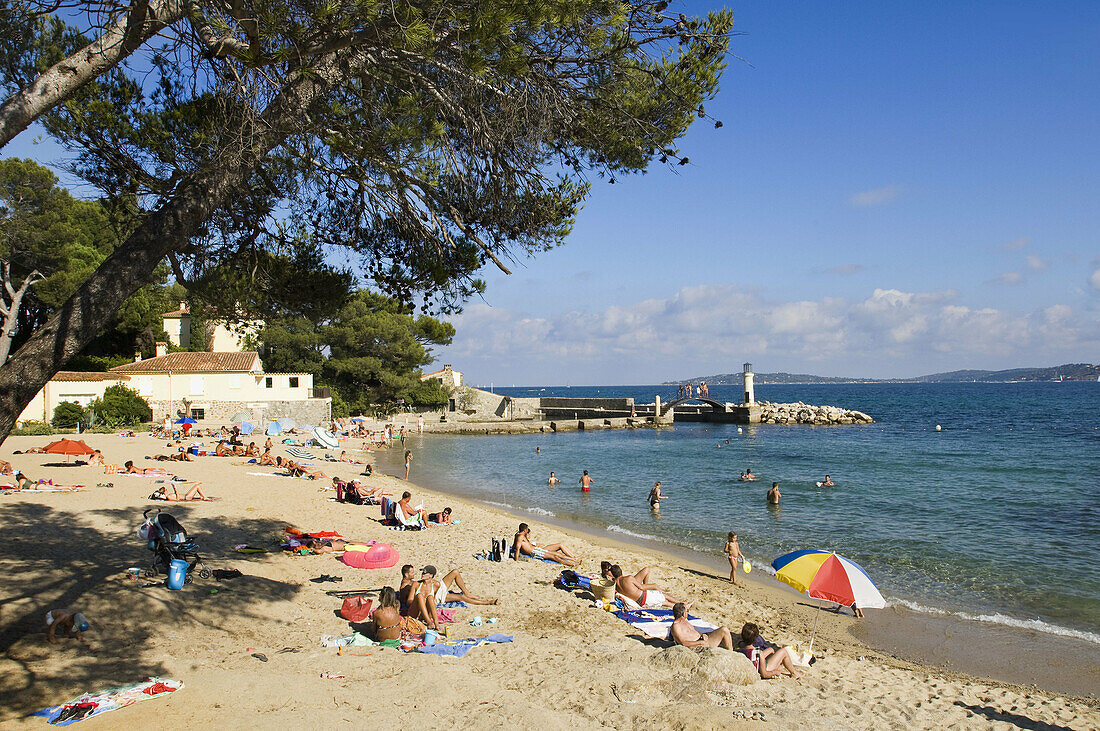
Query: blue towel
{"x": 458, "y": 648}
{"x": 452, "y": 605}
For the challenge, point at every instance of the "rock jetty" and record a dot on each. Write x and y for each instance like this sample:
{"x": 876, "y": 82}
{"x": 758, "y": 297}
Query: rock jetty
{"x": 800, "y": 413}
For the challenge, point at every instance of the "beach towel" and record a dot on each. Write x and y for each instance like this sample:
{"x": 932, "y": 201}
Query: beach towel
{"x": 299, "y": 453}
{"x": 93, "y": 704}
{"x": 42, "y": 487}
{"x": 458, "y": 648}
{"x": 451, "y": 605}
{"x": 453, "y": 522}
{"x": 111, "y": 469}
{"x": 656, "y": 623}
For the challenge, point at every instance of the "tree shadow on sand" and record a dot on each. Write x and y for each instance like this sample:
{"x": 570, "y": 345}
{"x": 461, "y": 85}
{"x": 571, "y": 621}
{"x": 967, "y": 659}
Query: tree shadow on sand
{"x": 54, "y": 558}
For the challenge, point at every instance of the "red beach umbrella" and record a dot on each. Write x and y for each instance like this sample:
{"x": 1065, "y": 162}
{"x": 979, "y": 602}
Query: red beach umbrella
{"x": 68, "y": 447}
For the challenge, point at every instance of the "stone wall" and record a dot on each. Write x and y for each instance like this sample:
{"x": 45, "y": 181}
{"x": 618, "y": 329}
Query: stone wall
{"x": 304, "y": 411}
{"x": 608, "y": 404}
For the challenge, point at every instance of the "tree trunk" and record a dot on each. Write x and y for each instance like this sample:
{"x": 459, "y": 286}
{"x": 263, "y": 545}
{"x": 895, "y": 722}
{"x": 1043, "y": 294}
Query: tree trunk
{"x": 59, "y": 82}
{"x": 10, "y": 311}
{"x": 166, "y": 229}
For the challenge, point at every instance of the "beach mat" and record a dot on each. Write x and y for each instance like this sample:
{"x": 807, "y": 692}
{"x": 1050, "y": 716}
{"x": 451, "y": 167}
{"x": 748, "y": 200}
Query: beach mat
{"x": 299, "y": 453}
{"x": 112, "y": 699}
{"x": 458, "y": 648}
{"x": 656, "y": 623}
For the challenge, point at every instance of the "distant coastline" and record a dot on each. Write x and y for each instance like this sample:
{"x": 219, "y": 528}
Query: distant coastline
{"x": 1066, "y": 372}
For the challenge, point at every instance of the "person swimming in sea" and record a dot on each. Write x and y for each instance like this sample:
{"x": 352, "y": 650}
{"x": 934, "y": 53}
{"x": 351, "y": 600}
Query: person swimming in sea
{"x": 748, "y": 476}
{"x": 655, "y": 497}
{"x": 827, "y": 482}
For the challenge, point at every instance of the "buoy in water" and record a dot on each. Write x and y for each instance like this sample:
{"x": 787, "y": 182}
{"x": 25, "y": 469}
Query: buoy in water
{"x": 939, "y": 428}
{"x": 738, "y": 430}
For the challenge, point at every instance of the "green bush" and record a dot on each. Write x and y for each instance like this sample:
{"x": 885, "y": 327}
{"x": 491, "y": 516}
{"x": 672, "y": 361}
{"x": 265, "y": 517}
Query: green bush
{"x": 68, "y": 413}
{"x": 120, "y": 406}
{"x": 32, "y": 429}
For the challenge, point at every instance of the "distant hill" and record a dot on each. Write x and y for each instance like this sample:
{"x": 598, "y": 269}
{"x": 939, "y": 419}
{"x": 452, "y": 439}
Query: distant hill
{"x": 1067, "y": 372}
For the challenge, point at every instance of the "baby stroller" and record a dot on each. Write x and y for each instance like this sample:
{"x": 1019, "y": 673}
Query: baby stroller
{"x": 169, "y": 541}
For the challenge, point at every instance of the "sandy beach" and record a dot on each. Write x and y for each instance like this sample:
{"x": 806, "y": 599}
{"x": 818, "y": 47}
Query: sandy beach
{"x": 571, "y": 665}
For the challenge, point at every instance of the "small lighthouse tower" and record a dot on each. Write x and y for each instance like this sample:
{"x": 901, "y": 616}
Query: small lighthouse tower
{"x": 747, "y": 375}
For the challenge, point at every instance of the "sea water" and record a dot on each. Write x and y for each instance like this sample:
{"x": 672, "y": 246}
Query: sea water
{"x": 995, "y": 517}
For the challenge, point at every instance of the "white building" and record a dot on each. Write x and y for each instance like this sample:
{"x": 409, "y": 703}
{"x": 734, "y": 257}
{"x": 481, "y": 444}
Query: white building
{"x": 208, "y": 387}
{"x": 220, "y": 338}
{"x": 448, "y": 377}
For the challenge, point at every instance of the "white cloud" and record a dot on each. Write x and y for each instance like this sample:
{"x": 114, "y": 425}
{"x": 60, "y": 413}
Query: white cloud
{"x": 845, "y": 269}
{"x": 1037, "y": 264}
{"x": 1017, "y": 244}
{"x": 875, "y": 197}
{"x": 1009, "y": 278}
{"x": 894, "y": 329}
{"x": 1094, "y": 280}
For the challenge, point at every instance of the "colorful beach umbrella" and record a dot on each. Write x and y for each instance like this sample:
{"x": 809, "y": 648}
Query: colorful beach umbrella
{"x": 325, "y": 438}
{"x": 246, "y": 427}
{"x": 829, "y": 576}
{"x": 186, "y": 420}
{"x": 274, "y": 429}
{"x": 287, "y": 423}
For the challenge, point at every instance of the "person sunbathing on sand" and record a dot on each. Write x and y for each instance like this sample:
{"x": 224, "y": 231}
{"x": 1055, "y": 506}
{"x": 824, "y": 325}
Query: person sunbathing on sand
{"x": 195, "y": 493}
{"x": 637, "y": 588}
{"x": 386, "y": 619}
{"x": 437, "y": 591}
{"x": 222, "y": 450}
{"x": 6, "y": 468}
{"x": 345, "y": 458}
{"x": 413, "y": 602}
{"x": 130, "y": 469}
{"x": 252, "y": 451}
{"x": 768, "y": 660}
{"x": 683, "y": 633}
{"x": 177, "y": 457}
{"x": 521, "y": 543}
{"x": 96, "y": 458}
{"x": 266, "y": 457}
{"x": 443, "y": 517}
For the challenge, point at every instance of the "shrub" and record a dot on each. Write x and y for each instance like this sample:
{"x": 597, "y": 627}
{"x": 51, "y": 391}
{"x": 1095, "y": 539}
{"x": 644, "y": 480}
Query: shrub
{"x": 121, "y": 406}
{"x": 68, "y": 413}
{"x": 32, "y": 429}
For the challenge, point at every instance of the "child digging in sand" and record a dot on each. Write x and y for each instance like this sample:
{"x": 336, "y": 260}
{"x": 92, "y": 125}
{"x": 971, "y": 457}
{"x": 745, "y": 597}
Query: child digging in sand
{"x": 733, "y": 553}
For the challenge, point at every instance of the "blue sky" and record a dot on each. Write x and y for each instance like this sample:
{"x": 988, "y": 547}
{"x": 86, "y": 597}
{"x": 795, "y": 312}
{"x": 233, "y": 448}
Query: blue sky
{"x": 897, "y": 189}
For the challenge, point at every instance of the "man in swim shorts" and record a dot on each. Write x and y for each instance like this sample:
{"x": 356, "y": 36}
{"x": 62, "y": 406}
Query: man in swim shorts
{"x": 637, "y": 588}
{"x": 586, "y": 482}
{"x": 682, "y": 633}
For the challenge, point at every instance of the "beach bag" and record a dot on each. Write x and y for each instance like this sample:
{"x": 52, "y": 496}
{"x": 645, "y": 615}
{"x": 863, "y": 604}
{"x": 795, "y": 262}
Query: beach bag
{"x": 355, "y": 609}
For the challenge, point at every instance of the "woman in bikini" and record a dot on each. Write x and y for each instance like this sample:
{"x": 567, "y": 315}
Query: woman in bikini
{"x": 132, "y": 470}
{"x": 386, "y": 619}
{"x": 195, "y": 493}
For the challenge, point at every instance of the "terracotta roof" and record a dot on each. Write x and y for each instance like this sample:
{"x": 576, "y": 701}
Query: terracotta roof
{"x": 193, "y": 362}
{"x": 176, "y": 313}
{"x": 88, "y": 376}
{"x": 439, "y": 372}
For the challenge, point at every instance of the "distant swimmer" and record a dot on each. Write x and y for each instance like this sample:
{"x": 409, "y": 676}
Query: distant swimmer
{"x": 748, "y": 476}
{"x": 538, "y": 450}
{"x": 586, "y": 482}
{"x": 552, "y": 480}
{"x": 827, "y": 482}
{"x": 655, "y": 497}
{"x": 774, "y": 494}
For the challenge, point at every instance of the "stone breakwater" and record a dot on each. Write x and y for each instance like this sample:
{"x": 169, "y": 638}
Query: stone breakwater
{"x": 800, "y": 413}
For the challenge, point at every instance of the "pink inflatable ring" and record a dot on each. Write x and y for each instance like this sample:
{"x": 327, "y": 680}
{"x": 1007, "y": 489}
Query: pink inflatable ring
{"x": 371, "y": 556}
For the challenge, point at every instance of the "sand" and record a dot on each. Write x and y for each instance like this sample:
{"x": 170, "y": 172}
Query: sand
{"x": 571, "y": 665}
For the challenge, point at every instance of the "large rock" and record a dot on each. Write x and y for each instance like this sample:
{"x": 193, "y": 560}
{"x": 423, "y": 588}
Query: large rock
{"x": 711, "y": 668}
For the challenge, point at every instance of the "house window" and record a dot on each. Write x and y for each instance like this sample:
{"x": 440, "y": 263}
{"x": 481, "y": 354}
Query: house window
{"x": 198, "y": 384}
{"x": 269, "y": 382}
{"x": 198, "y": 414}
{"x": 294, "y": 381}
{"x": 234, "y": 381}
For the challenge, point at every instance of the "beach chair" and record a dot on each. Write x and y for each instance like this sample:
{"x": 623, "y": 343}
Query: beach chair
{"x": 413, "y": 522}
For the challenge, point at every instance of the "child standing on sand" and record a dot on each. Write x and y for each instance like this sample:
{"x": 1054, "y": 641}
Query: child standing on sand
{"x": 733, "y": 553}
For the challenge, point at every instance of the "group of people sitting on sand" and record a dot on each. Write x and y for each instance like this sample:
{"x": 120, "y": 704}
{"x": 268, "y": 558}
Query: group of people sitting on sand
{"x": 768, "y": 659}
{"x": 419, "y": 600}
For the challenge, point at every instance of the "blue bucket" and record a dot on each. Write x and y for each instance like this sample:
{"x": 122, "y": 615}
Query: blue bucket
{"x": 177, "y": 573}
